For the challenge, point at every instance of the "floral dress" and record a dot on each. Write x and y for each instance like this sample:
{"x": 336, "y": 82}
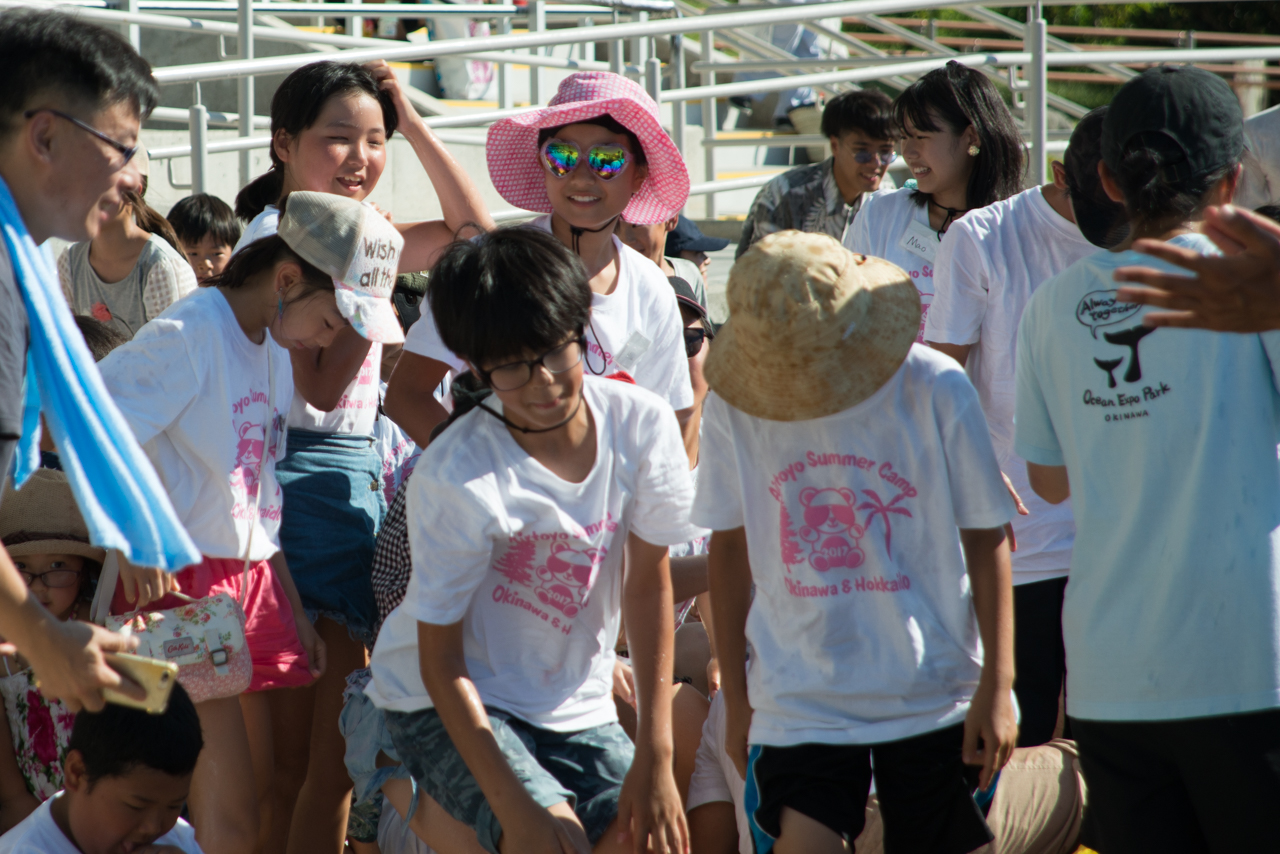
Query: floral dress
{"x": 40, "y": 728}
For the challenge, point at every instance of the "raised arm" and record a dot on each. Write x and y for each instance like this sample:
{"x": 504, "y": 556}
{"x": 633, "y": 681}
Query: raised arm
{"x": 460, "y": 199}
{"x": 322, "y": 374}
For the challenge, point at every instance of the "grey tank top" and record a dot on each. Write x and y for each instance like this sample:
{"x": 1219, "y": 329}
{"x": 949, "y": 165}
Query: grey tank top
{"x": 117, "y": 304}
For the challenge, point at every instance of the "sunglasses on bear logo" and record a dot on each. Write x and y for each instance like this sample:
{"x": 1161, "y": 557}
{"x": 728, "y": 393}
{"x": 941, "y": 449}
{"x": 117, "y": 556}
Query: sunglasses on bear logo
{"x": 561, "y": 158}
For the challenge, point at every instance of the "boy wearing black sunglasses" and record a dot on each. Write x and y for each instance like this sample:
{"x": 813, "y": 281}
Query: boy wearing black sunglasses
{"x": 496, "y": 670}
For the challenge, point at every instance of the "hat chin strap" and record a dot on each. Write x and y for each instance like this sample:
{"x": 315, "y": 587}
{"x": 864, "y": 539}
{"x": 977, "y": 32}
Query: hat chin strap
{"x": 577, "y": 231}
{"x": 528, "y": 430}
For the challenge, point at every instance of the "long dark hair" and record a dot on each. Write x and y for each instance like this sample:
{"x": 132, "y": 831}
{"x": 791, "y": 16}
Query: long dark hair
{"x": 961, "y": 96}
{"x": 295, "y": 107}
{"x": 149, "y": 219}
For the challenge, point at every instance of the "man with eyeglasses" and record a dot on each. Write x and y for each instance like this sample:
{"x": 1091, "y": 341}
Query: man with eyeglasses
{"x": 70, "y": 111}
{"x": 823, "y": 198}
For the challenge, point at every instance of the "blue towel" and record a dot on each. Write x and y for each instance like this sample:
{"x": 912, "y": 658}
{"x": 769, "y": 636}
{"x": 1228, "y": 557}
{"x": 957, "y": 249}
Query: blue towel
{"x": 122, "y": 500}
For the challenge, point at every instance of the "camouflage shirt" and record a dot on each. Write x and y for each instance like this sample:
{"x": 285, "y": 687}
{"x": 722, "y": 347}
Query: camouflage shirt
{"x": 805, "y": 198}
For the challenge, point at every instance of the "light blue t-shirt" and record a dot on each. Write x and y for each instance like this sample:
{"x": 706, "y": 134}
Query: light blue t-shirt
{"x": 1169, "y": 439}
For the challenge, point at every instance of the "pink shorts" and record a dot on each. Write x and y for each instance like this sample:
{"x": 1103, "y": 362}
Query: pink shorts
{"x": 279, "y": 661}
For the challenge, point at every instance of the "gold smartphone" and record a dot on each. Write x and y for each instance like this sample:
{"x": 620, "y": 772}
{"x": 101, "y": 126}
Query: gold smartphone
{"x": 156, "y": 676}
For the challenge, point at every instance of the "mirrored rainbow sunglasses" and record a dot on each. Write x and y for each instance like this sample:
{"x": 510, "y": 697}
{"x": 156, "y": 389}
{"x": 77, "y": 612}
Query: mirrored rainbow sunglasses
{"x": 608, "y": 161}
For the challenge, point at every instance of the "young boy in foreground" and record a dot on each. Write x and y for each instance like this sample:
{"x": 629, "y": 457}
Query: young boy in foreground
{"x": 127, "y": 775}
{"x": 496, "y": 671}
{"x": 850, "y": 476}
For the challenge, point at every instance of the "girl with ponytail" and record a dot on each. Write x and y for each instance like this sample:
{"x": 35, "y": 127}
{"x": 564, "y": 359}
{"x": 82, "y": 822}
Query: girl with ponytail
{"x": 133, "y": 270}
{"x": 330, "y": 123}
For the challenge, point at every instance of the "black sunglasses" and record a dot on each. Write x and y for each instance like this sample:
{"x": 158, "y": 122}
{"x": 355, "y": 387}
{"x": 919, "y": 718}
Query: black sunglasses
{"x": 693, "y": 338}
{"x": 127, "y": 150}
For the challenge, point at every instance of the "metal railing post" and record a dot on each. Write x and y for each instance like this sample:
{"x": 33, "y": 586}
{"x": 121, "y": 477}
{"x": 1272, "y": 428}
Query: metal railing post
{"x": 504, "y": 75}
{"x": 537, "y": 23}
{"x": 587, "y": 50}
{"x": 639, "y": 56}
{"x": 709, "y": 120}
{"x": 245, "y": 43}
{"x": 617, "y": 58}
{"x": 677, "y": 82}
{"x": 653, "y": 78}
{"x": 1037, "y": 96}
{"x": 357, "y": 24}
{"x": 199, "y": 145}
{"x": 132, "y": 32}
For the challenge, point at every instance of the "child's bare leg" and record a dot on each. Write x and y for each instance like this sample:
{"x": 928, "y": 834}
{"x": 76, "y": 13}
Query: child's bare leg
{"x": 222, "y": 792}
{"x": 442, "y": 832}
{"x": 320, "y": 815}
{"x": 291, "y": 746}
{"x": 804, "y": 835}
{"x": 256, "y": 708}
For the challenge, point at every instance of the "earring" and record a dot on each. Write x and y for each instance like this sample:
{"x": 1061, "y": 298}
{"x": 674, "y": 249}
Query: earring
{"x": 974, "y": 150}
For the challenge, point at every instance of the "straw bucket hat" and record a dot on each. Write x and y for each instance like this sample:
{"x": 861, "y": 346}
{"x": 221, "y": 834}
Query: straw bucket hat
{"x": 45, "y": 510}
{"x": 813, "y": 329}
{"x": 520, "y": 178}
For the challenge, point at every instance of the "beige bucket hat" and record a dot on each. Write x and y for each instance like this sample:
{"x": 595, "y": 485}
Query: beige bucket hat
{"x": 45, "y": 511}
{"x": 813, "y": 329}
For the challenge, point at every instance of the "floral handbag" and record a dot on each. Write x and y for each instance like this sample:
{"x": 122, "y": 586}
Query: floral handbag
{"x": 204, "y": 637}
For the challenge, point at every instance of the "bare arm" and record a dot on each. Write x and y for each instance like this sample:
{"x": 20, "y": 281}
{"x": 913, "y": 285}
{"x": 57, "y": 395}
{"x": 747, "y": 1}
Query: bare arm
{"x": 713, "y": 828}
{"x": 307, "y": 635}
{"x": 16, "y": 803}
{"x": 991, "y": 718}
{"x": 713, "y": 664}
{"x": 1049, "y": 482}
{"x": 688, "y": 577}
{"x": 460, "y": 199}
{"x": 728, "y": 570}
{"x": 410, "y": 399}
{"x": 650, "y": 802}
{"x": 322, "y": 374}
{"x": 959, "y": 352}
{"x": 525, "y": 825}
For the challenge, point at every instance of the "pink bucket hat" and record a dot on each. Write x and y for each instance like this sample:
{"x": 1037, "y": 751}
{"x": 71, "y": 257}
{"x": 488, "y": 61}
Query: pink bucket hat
{"x": 513, "y": 146}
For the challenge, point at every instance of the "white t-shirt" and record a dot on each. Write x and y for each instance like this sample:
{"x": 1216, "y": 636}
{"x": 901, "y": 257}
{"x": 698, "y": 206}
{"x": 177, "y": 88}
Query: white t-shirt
{"x": 38, "y": 833}
{"x": 194, "y": 389}
{"x": 636, "y": 330}
{"x": 715, "y": 778}
{"x": 990, "y": 262}
{"x": 893, "y": 227}
{"x": 862, "y": 629}
{"x": 1169, "y": 440}
{"x": 532, "y": 564}
{"x": 358, "y": 407}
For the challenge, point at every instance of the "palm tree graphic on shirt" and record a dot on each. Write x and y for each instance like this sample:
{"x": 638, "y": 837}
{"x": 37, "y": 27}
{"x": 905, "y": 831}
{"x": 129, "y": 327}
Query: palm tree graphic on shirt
{"x": 877, "y": 507}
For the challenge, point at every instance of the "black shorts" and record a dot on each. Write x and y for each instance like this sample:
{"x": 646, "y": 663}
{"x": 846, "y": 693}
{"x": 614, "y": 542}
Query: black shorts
{"x": 923, "y": 787}
{"x": 1198, "y": 785}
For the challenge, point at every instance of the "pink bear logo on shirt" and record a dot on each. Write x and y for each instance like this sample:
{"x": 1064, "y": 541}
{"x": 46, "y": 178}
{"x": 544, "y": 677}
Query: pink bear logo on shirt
{"x": 566, "y": 577}
{"x": 249, "y": 452}
{"x": 831, "y": 528}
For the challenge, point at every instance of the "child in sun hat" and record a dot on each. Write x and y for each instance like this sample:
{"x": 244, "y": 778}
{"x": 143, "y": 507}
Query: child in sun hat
{"x": 595, "y": 154}
{"x": 206, "y": 388}
{"x": 850, "y": 476}
{"x": 44, "y": 533}
{"x": 1165, "y": 441}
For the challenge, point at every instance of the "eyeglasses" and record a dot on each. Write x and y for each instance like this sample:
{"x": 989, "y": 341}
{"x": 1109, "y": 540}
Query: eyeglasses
{"x": 561, "y": 158}
{"x": 864, "y": 156}
{"x": 53, "y": 578}
{"x": 127, "y": 150}
{"x": 514, "y": 375}
{"x": 693, "y": 338}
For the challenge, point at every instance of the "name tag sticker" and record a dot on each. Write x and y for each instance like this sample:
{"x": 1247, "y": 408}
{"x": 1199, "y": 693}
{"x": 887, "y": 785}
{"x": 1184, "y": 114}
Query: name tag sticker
{"x": 637, "y": 345}
{"x": 920, "y": 240}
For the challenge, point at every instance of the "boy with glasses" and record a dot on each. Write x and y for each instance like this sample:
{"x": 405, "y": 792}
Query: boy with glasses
{"x": 496, "y": 671}
{"x": 824, "y": 198}
{"x": 70, "y": 111}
